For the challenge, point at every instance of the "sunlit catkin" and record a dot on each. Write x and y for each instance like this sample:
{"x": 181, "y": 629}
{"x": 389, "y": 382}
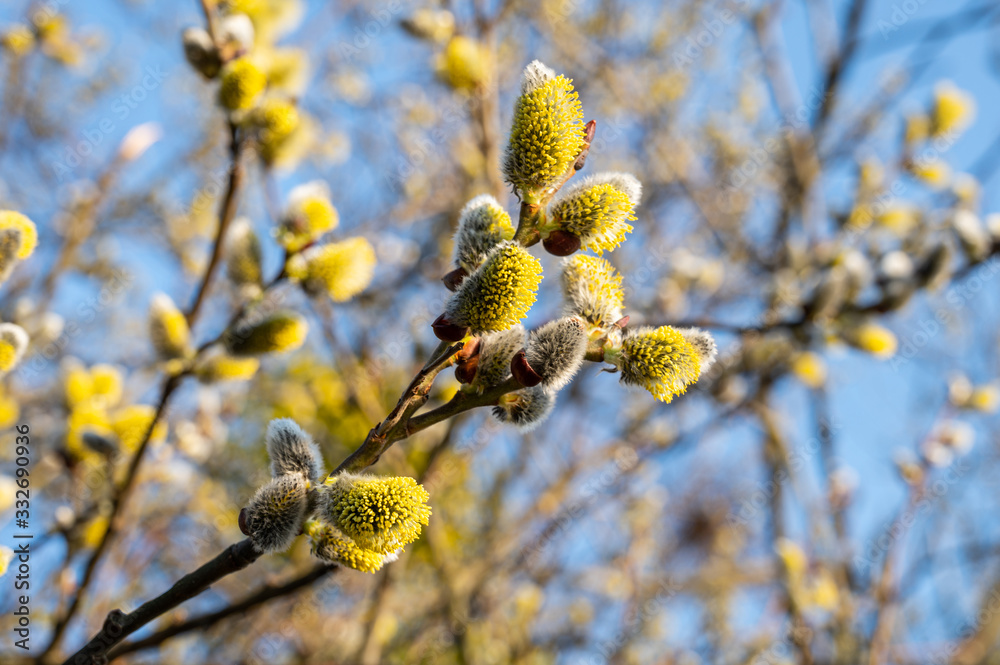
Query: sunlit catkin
{"x": 379, "y": 514}
{"x": 592, "y": 290}
{"x": 13, "y": 344}
{"x": 309, "y": 215}
{"x": 275, "y": 513}
{"x": 279, "y": 332}
{"x": 244, "y": 256}
{"x": 10, "y": 219}
{"x": 499, "y": 293}
{"x": 242, "y": 83}
{"x": 482, "y": 225}
{"x": 341, "y": 270}
{"x": 495, "y": 351}
{"x": 168, "y": 328}
{"x": 555, "y": 351}
{"x": 547, "y": 132}
{"x": 221, "y": 367}
{"x": 597, "y": 210}
{"x": 661, "y": 360}
{"x": 526, "y": 409}
{"x": 333, "y": 546}
{"x": 291, "y": 450}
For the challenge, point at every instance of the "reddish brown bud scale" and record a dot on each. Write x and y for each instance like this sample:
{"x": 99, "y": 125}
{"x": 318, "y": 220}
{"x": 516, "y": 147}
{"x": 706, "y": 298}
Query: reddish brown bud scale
{"x": 622, "y": 322}
{"x": 244, "y": 529}
{"x": 589, "y": 130}
{"x": 561, "y": 243}
{"x": 522, "y": 371}
{"x": 454, "y": 279}
{"x": 447, "y": 331}
{"x": 469, "y": 350}
{"x": 465, "y": 371}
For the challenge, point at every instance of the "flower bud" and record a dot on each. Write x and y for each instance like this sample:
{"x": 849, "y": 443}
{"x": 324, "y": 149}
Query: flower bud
{"x": 661, "y": 360}
{"x": 495, "y": 353}
{"x": 10, "y": 245}
{"x": 342, "y": 269}
{"x": 547, "y": 132}
{"x": 244, "y": 256}
{"x": 482, "y": 225}
{"x": 330, "y": 544}
{"x": 454, "y": 279}
{"x": 974, "y": 237}
{"x": 464, "y": 64}
{"x": 291, "y": 450}
{"x": 168, "y": 328}
{"x": 277, "y": 333}
{"x": 308, "y": 216}
{"x": 555, "y": 351}
{"x": 13, "y": 344}
{"x": 379, "y": 514}
{"x": 242, "y": 84}
{"x": 596, "y": 210}
{"x": 592, "y": 290}
{"x": 499, "y": 293}
{"x": 138, "y": 140}
{"x": 431, "y": 24}
{"x": 522, "y": 371}
{"x": 221, "y": 367}
{"x": 526, "y": 409}
{"x": 236, "y": 33}
{"x": 201, "y": 52}
{"x": 274, "y": 515}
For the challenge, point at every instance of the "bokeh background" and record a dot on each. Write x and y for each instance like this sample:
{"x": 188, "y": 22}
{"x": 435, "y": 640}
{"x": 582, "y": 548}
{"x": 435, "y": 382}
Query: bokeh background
{"x": 826, "y": 494}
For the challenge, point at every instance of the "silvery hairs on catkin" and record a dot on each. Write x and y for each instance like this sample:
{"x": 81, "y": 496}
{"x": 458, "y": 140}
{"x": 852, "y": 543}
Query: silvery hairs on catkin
{"x": 556, "y": 350}
{"x": 292, "y": 450}
{"x": 275, "y": 513}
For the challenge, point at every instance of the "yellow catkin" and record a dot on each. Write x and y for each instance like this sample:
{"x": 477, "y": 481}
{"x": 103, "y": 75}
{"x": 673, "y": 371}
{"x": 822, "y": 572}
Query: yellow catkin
{"x": 19, "y": 40}
{"x": 546, "y": 136}
{"x": 280, "y": 332}
{"x": 10, "y": 219}
{"x": 331, "y": 545}
{"x": 660, "y": 360}
{"x": 465, "y": 63}
{"x": 342, "y": 270}
{"x": 876, "y": 340}
{"x": 499, "y": 294}
{"x": 592, "y": 289}
{"x": 379, "y": 514}
{"x": 952, "y": 111}
{"x": 131, "y": 423}
{"x": 275, "y": 120}
{"x": 242, "y": 83}
{"x": 226, "y": 368}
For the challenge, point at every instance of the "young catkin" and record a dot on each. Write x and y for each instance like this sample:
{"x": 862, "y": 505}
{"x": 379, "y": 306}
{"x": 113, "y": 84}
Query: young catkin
{"x": 526, "y": 409}
{"x": 555, "y": 351}
{"x": 292, "y": 450}
{"x": 495, "y": 351}
{"x": 275, "y": 513}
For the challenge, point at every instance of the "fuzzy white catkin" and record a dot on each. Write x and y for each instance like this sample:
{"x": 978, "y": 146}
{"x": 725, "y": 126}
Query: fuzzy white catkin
{"x": 275, "y": 513}
{"x": 556, "y": 350}
{"x": 529, "y": 408}
{"x": 292, "y": 450}
{"x": 495, "y": 351}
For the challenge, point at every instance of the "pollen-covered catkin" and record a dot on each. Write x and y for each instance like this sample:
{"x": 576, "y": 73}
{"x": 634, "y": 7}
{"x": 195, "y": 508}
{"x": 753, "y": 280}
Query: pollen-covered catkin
{"x": 380, "y": 514}
{"x": 547, "y": 132}
{"x": 592, "y": 290}
{"x": 308, "y": 215}
{"x": 495, "y": 351}
{"x": 28, "y": 236}
{"x": 332, "y": 545}
{"x": 279, "y": 332}
{"x": 13, "y": 344}
{"x": 10, "y": 245}
{"x": 168, "y": 328}
{"x": 482, "y": 225}
{"x": 597, "y": 210}
{"x": 703, "y": 343}
{"x": 242, "y": 83}
{"x": 661, "y": 360}
{"x": 499, "y": 293}
{"x": 291, "y": 450}
{"x": 341, "y": 270}
{"x": 526, "y": 409}
{"x": 221, "y": 367}
{"x": 556, "y": 350}
{"x": 275, "y": 513}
